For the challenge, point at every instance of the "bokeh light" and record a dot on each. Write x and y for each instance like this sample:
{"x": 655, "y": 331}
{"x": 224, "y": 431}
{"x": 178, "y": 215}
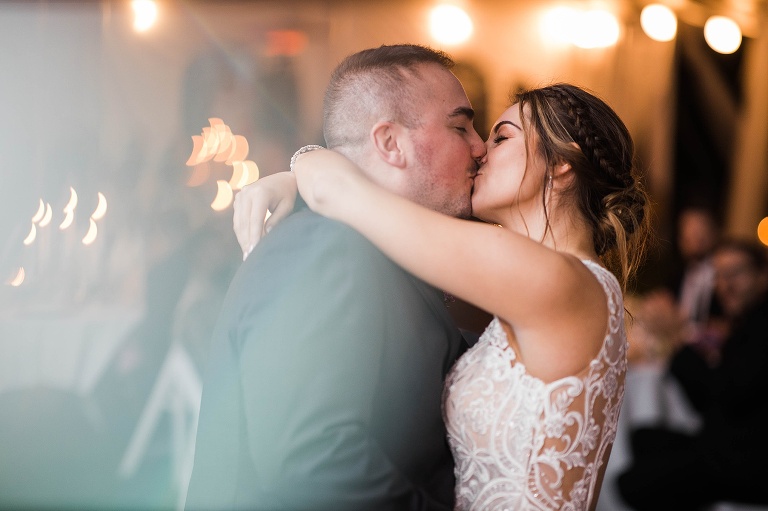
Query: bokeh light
{"x": 593, "y": 28}
{"x": 101, "y": 208}
{"x": 69, "y": 216}
{"x": 90, "y": 236}
{"x": 658, "y": 22}
{"x": 31, "y": 236}
{"x": 557, "y": 25}
{"x": 223, "y": 197}
{"x": 596, "y": 29}
{"x": 144, "y": 14}
{"x": 47, "y": 217}
{"x": 40, "y": 212}
{"x": 450, "y": 24}
{"x": 17, "y": 279}
{"x": 722, "y": 34}
{"x": 762, "y": 231}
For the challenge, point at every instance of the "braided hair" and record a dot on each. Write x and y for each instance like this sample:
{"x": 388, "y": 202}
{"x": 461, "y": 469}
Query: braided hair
{"x": 576, "y": 127}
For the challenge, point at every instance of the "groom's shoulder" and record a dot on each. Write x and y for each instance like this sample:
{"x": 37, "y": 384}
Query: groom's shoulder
{"x": 308, "y": 245}
{"x": 305, "y": 235}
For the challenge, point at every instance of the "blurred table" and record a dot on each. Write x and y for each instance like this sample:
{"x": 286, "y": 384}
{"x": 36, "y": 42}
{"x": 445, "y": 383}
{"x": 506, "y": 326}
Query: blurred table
{"x": 68, "y": 350}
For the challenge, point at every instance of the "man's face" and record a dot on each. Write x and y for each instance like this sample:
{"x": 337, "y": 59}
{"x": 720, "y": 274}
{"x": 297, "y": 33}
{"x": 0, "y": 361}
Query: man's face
{"x": 738, "y": 283}
{"x": 446, "y": 144}
{"x": 697, "y": 235}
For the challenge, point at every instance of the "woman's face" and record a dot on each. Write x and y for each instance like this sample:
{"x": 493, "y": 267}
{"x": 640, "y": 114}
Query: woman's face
{"x": 508, "y": 186}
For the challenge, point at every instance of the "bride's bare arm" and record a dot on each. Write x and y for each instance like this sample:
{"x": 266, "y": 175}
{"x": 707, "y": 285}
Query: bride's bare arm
{"x": 275, "y": 194}
{"x": 493, "y": 268}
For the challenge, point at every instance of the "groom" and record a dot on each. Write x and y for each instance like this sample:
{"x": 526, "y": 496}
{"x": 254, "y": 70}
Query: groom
{"x": 324, "y": 382}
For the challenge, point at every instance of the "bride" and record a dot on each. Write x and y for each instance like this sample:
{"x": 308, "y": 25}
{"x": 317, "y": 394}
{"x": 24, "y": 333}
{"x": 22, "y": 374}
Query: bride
{"x": 532, "y": 408}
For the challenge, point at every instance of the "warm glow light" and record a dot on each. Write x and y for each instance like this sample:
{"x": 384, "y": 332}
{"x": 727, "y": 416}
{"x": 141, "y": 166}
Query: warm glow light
{"x": 31, "y": 236}
{"x": 224, "y": 134}
{"x": 40, "y": 212}
{"x": 285, "y": 42}
{"x": 72, "y": 204}
{"x": 596, "y": 29}
{"x": 450, "y": 24}
{"x": 585, "y": 29}
{"x": 144, "y": 14}
{"x": 557, "y": 25}
{"x": 197, "y": 147}
{"x": 18, "y": 279}
{"x": 47, "y": 217}
{"x": 722, "y": 34}
{"x": 243, "y": 173}
{"x": 252, "y": 173}
{"x": 762, "y": 231}
{"x": 658, "y": 22}
{"x": 217, "y": 143}
{"x": 223, "y": 196}
{"x": 239, "y": 149}
{"x": 69, "y": 216}
{"x": 199, "y": 175}
{"x": 90, "y": 236}
{"x": 239, "y": 171}
{"x": 210, "y": 143}
{"x": 101, "y": 208}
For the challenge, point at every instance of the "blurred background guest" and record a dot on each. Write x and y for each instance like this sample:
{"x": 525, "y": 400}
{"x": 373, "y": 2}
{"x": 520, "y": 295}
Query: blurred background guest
{"x": 723, "y": 459}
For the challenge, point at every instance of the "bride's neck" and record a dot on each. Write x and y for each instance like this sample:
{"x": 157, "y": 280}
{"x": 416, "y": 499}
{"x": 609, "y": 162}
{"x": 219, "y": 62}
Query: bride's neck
{"x": 563, "y": 231}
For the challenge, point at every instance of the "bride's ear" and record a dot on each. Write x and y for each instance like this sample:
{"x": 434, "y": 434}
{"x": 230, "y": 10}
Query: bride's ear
{"x": 563, "y": 169}
{"x": 389, "y": 140}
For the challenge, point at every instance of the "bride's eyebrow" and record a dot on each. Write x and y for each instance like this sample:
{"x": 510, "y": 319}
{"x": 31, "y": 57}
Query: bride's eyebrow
{"x": 500, "y": 123}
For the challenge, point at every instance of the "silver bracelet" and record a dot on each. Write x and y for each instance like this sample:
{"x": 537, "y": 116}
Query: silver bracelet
{"x": 305, "y": 149}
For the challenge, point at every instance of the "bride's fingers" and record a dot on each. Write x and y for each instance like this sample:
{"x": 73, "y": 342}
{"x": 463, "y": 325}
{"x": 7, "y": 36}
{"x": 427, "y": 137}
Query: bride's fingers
{"x": 282, "y": 210}
{"x": 255, "y": 227}
{"x": 240, "y": 223}
{"x": 248, "y": 218}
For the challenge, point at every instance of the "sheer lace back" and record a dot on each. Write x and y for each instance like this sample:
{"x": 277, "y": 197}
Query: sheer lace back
{"x": 520, "y": 443}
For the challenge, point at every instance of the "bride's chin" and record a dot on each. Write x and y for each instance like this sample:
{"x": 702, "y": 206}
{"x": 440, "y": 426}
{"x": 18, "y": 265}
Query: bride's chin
{"x": 479, "y": 213}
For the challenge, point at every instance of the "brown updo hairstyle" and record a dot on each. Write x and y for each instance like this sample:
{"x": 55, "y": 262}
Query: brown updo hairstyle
{"x": 606, "y": 189}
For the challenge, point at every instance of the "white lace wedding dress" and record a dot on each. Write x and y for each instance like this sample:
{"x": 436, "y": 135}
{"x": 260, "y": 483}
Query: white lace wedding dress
{"x": 522, "y": 444}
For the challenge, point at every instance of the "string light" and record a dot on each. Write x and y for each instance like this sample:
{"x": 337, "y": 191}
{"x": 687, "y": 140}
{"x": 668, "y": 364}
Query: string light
{"x": 722, "y": 34}
{"x": 450, "y": 24}
{"x": 592, "y": 28}
{"x": 658, "y": 22}
{"x": 597, "y": 29}
{"x": 144, "y": 14}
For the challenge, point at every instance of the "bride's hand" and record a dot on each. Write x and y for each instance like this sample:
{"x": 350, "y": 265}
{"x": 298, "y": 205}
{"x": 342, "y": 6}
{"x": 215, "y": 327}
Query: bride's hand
{"x": 276, "y": 194}
{"x": 328, "y": 182}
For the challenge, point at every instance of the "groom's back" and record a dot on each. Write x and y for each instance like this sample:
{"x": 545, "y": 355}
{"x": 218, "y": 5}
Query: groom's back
{"x": 324, "y": 384}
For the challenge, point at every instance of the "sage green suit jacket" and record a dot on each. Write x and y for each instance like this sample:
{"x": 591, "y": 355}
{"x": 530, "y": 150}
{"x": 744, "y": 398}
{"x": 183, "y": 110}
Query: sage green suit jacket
{"x": 323, "y": 389}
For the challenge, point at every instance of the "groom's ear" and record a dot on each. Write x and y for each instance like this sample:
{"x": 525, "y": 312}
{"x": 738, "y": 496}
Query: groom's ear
{"x": 389, "y": 141}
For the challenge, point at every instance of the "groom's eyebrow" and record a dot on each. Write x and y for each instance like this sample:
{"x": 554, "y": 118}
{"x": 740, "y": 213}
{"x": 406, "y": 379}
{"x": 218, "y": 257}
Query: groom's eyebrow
{"x": 464, "y": 111}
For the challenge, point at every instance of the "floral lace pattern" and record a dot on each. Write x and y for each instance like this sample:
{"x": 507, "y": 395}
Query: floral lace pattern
{"x": 522, "y": 444}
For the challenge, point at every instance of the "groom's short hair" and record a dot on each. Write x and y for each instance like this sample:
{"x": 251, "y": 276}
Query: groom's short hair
{"x": 376, "y": 84}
